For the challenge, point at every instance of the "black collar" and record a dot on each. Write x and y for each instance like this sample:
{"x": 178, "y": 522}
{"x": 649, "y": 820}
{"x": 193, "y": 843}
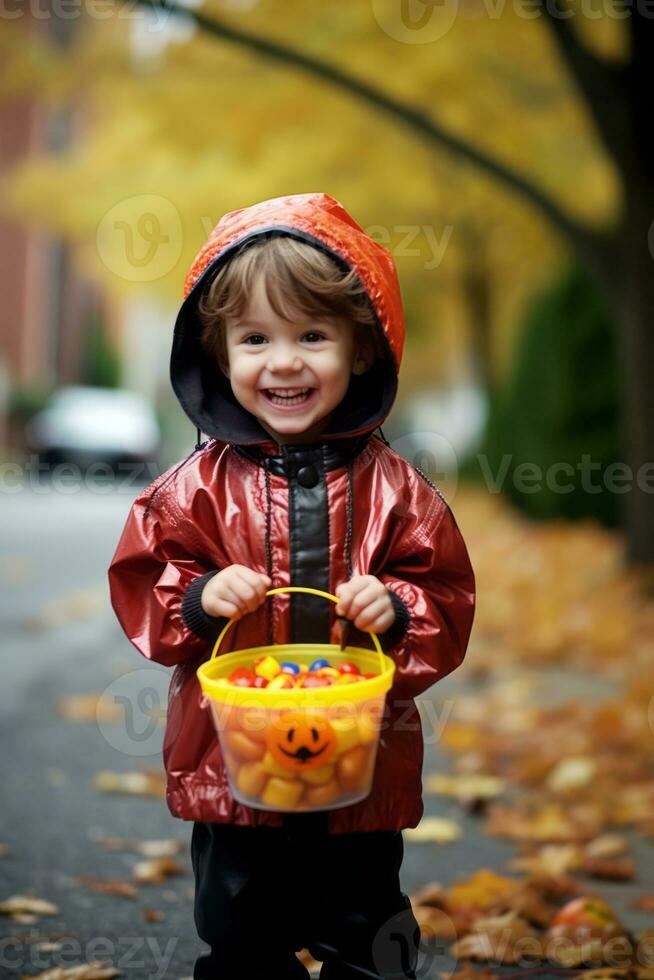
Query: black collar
{"x": 331, "y": 453}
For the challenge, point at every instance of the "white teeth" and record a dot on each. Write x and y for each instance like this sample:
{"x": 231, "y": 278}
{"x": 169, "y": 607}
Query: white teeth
{"x": 288, "y": 392}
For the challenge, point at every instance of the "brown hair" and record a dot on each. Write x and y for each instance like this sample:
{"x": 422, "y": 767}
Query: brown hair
{"x": 299, "y": 279}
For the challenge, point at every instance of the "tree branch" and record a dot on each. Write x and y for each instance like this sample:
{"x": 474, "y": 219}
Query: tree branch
{"x": 580, "y": 237}
{"x": 603, "y": 85}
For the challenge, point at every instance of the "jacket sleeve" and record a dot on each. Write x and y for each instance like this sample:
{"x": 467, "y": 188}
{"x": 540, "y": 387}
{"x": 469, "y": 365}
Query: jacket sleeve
{"x": 429, "y": 572}
{"x": 156, "y": 582}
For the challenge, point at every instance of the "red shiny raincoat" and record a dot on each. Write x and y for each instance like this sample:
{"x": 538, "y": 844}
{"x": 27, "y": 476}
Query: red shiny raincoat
{"x": 306, "y": 514}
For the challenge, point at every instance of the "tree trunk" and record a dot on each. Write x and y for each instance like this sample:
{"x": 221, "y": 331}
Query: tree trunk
{"x": 635, "y": 321}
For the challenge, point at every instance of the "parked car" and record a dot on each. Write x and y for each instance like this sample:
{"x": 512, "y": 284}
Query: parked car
{"x": 86, "y": 425}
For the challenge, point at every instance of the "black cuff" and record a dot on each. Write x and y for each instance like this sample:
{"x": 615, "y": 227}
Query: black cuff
{"x": 197, "y": 620}
{"x": 398, "y": 630}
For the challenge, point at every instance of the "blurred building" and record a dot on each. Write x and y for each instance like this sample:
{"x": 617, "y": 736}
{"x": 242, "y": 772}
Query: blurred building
{"x": 45, "y": 304}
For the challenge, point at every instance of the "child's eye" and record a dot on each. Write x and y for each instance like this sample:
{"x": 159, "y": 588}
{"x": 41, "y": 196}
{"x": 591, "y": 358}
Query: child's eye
{"x": 254, "y": 336}
{"x": 315, "y": 334}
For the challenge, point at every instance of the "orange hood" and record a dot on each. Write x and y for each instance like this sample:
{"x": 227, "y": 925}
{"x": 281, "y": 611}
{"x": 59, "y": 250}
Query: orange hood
{"x": 318, "y": 219}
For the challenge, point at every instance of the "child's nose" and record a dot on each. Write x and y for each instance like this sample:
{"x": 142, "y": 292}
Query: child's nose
{"x": 284, "y": 358}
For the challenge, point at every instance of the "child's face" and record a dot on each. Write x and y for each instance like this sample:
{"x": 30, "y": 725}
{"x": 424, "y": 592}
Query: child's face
{"x": 266, "y": 352}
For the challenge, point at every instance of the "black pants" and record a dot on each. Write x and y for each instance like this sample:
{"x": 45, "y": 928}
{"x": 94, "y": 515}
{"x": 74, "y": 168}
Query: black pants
{"x": 262, "y": 893}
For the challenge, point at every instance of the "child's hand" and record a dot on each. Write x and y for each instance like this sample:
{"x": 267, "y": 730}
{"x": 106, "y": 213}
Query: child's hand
{"x": 234, "y": 591}
{"x": 365, "y": 600}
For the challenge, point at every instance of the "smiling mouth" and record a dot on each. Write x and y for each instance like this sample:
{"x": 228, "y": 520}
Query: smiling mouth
{"x": 295, "y": 396}
{"x": 303, "y": 754}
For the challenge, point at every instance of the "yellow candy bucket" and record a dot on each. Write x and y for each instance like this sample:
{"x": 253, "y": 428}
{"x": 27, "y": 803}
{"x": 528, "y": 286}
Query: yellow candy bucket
{"x": 302, "y": 749}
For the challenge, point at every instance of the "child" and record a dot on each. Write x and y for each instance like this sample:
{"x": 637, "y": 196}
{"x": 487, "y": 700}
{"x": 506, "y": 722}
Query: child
{"x": 286, "y": 353}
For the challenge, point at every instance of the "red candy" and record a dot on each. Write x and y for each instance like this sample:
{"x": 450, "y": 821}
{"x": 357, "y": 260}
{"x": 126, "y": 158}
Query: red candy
{"x": 287, "y": 678}
{"x": 243, "y": 681}
{"x": 311, "y": 680}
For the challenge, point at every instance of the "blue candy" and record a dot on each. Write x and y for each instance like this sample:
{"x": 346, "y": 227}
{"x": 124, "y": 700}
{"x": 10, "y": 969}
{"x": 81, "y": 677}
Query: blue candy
{"x": 290, "y": 667}
{"x": 320, "y": 662}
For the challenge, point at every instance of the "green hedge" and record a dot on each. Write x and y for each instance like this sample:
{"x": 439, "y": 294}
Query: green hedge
{"x": 560, "y": 402}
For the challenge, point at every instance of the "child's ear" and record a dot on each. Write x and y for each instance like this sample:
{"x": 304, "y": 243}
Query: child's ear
{"x": 363, "y": 357}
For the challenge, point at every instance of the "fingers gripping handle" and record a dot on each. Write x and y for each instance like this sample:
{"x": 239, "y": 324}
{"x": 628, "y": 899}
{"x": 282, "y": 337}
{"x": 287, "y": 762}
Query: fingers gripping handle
{"x": 299, "y": 588}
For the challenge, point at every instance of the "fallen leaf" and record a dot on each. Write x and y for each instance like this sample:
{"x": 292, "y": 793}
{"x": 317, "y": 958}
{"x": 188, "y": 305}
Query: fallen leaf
{"x": 571, "y": 774}
{"x": 434, "y": 830}
{"x": 465, "y": 786}
{"x": 434, "y": 923}
{"x": 551, "y": 822}
{"x": 148, "y": 848}
{"x": 147, "y": 783}
{"x": 468, "y": 972}
{"x": 27, "y": 904}
{"x": 308, "y": 962}
{"x": 611, "y": 870}
{"x": 96, "y": 970}
{"x": 153, "y": 915}
{"x": 89, "y": 707}
{"x": 481, "y": 889}
{"x": 503, "y": 938}
{"x": 606, "y": 846}
{"x": 645, "y": 903}
{"x": 433, "y": 894}
{"x": 550, "y": 859}
{"x": 119, "y": 887}
{"x": 156, "y": 870}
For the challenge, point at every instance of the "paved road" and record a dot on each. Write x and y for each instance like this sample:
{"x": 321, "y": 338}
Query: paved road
{"x": 59, "y": 637}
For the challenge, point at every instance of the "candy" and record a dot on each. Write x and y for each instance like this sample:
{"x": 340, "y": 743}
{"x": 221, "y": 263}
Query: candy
{"x": 282, "y": 794}
{"x": 304, "y": 757}
{"x": 351, "y": 767}
{"x": 243, "y": 746}
{"x": 281, "y": 682}
{"x": 253, "y": 722}
{"x": 273, "y": 767}
{"x": 267, "y": 672}
{"x": 324, "y": 795}
{"x": 314, "y": 680}
{"x": 368, "y": 728}
{"x": 317, "y": 777}
{"x": 347, "y": 734}
{"x": 268, "y": 667}
{"x": 251, "y": 778}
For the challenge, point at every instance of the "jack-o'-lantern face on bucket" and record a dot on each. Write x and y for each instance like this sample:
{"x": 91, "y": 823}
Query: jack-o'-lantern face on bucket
{"x": 301, "y": 740}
